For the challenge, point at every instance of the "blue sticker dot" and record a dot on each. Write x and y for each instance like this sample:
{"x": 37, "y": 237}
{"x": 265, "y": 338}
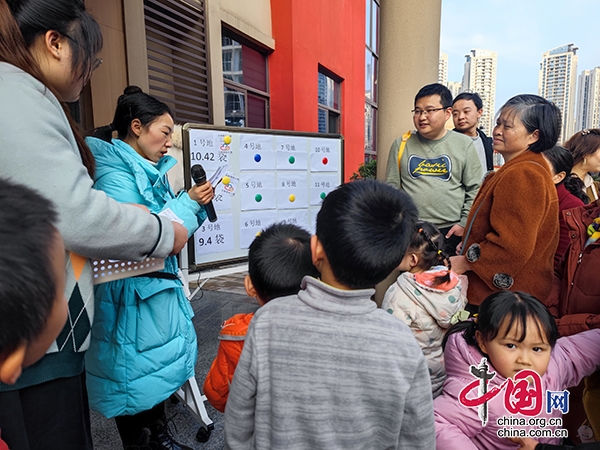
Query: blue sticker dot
{"x": 257, "y": 158}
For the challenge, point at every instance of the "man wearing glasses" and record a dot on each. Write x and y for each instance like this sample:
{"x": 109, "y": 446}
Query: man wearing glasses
{"x": 438, "y": 168}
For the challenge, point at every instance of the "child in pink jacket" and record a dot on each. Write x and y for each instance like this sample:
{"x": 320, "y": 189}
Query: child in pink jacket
{"x": 513, "y": 333}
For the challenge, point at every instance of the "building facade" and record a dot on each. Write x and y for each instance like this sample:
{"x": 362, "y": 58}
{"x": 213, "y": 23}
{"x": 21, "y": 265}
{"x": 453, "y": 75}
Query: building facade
{"x": 480, "y": 77}
{"x": 588, "y": 100}
{"x": 443, "y": 69}
{"x": 278, "y": 64}
{"x": 557, "y": 81}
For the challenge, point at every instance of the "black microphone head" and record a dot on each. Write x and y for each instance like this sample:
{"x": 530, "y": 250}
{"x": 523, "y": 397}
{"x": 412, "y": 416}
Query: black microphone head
{"x": 198, "y": 174}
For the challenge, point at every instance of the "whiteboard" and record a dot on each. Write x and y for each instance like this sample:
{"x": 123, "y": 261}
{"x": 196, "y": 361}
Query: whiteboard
{"x": 266, "y": 176}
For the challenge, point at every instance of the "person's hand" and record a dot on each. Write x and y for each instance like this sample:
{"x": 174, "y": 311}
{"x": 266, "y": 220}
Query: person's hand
{"x": 181, "y": 237}
{"x": 525, "y": 443}
{"x": 460, "y": 264}
{"x": 456, "y": 230}
{"x": 203, "y": 193}
{"x": 459, "y": 247}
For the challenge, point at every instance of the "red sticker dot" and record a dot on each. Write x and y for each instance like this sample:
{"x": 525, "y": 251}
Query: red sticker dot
{"x": 325, "y": 160}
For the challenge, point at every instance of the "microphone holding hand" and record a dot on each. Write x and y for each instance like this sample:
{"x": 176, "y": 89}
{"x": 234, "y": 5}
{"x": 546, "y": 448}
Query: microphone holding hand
{"x": 199, "y": 177}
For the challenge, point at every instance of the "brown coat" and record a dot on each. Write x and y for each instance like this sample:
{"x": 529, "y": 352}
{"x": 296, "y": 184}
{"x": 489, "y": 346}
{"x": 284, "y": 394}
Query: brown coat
{"x": 575, "y": 297}
{"x": 515, "y": 230}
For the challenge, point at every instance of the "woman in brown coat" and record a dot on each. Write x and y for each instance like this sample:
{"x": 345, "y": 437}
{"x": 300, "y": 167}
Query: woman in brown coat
{"x": 512, "y": 230}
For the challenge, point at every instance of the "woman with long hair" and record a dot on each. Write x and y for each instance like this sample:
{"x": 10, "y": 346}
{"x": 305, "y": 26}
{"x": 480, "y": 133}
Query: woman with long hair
{"x": 48, "y": 51}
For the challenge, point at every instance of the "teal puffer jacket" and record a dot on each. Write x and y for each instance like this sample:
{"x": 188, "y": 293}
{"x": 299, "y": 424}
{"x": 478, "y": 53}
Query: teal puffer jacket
{"x": 143, "y": 345}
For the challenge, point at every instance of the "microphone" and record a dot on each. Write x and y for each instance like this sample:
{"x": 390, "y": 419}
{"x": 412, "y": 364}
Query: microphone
{"x": 199, "y": 176}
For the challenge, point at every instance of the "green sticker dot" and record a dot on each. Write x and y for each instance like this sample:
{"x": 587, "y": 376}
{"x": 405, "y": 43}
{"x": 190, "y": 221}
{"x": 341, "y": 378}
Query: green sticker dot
{"x": 292, "y": 160}
{"x": 258, "y": 197}
{"x": 323, "y": 195}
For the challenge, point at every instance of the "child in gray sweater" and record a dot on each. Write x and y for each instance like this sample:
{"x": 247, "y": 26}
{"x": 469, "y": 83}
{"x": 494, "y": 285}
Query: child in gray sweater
{"x": 327, "y": 369}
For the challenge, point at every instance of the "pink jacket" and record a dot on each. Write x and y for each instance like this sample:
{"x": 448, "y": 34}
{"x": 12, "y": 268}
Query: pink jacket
{"x": 459, "y": 427}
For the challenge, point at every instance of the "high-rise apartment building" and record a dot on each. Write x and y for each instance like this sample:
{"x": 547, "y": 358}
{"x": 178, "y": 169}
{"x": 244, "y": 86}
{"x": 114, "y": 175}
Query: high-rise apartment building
{"x": 588, "y": 100}
{"x": 480, "y": 77}
{"x": 443, "y": 69}
{"x": 455, "y": 88}
{"x": 558, "y": 75}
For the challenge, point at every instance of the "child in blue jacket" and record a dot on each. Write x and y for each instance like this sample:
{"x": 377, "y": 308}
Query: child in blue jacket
{"x": 143, "y": 344}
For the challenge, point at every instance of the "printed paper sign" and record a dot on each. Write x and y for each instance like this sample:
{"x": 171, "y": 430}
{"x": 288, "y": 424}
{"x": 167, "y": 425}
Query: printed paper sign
{"x": 214, "y": 237}
{"x": 320, "y": 186}
{"x": 297, "y": 217}
{"x": 292, "y": 191}
{"x": 252, "y": 223}
{"x": 324, "y": 155}
{"x": 258, "y": 191}
{"x": 291, "y": 153}
{"x": 257, "y": 152}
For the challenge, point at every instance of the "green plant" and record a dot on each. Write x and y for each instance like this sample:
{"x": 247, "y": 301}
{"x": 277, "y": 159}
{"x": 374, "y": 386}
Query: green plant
{"x": 365, "y": 170}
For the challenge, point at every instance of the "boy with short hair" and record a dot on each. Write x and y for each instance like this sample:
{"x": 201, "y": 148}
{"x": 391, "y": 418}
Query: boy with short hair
{"x": 439, "y": 169}
{"x": 327, "y": 369}
{"x": 33, "y": 308}
{"x": 278, "y": 259}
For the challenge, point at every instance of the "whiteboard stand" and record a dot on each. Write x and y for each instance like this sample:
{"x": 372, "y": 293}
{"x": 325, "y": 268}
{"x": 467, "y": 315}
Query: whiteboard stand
{"x": 189, "y": 394}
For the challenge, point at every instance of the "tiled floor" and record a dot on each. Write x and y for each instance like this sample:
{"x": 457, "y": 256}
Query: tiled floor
{"x": 220, "y": 298}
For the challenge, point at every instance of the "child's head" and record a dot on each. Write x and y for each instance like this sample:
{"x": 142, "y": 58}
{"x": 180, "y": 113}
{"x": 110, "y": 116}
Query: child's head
{"x": 433, "y": 107}
{"x": 278, "y": 259}
{"x": 516, "y": 331}
{"x": 425, "y": 249}
{"x": 33, "y": 309}
{"x": 363, "y": 229}
{"x": 560, "y": 161}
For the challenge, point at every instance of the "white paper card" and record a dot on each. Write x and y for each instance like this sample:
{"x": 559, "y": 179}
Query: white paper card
{"x": 252, "y": 223}
{"x": 324, "y": 155}
{"x": 214, "y": 237}
{"x": 204, "y": 150}
{"x": 294, "y": 216}
{"x": 321, "y": 185}
{"x": 169, "y": 214}
{"x": 257, "y": 152}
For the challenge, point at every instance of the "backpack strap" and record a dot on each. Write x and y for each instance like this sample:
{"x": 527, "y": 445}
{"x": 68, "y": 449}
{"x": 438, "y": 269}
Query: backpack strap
{"x": 405, "y": 138}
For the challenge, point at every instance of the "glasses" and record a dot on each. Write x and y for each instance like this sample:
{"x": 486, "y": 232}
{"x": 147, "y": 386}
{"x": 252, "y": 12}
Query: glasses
{"x": 427, "y": 112}
{"x": 97, "y": 61}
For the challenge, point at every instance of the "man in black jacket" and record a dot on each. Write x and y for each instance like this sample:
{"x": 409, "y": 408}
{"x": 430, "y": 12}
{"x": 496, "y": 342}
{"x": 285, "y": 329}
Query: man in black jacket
{"x": 467, "y": 108}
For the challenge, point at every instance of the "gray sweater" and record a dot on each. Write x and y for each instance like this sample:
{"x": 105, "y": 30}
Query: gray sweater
{"x": 326, "y": 369}
{"x": 38, "y": 149}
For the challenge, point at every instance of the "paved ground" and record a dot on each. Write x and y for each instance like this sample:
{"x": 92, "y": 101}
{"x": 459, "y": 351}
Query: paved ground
{"x": 220, "y": 298}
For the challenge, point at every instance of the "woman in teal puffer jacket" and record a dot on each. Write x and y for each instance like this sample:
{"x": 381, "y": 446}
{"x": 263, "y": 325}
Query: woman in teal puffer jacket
{"x": 143, "y": 344}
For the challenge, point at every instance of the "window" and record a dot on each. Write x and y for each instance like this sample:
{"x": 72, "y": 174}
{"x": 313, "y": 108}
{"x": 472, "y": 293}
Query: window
{"x": 177, "y": 67}
{"x": 245, "y": 83}
{"x": 371, "y": 65}
{"x": 329, "y": 104}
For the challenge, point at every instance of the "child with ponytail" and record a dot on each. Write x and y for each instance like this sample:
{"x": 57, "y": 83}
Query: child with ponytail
{"x": 426, "y": 296}
{"x": 513, "y": 331}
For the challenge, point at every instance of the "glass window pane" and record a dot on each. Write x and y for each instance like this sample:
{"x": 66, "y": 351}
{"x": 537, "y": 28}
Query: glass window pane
{"x": 368, "y": 128}
{"x": 334, "y": 123}
{"x": 322, "y": 94}
{"x": 375, "y": 28}
{"x": 232, "y": 60}
{"x": 322, "y": 121}
{"x": 374, "y": 68}
{"x": 368, "y": 74}
{"x": 235, "y": 108}
{"x": 257, "y": 111}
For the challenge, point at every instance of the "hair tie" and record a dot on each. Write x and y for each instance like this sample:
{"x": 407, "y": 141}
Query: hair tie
{"x": 584, "y": 132}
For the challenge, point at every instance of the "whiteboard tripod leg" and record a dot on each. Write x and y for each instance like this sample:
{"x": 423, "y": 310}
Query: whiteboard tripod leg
{"x": 193, "y": 400}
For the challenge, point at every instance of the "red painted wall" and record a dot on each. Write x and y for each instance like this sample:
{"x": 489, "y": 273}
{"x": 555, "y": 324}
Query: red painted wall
{"x": 308, "y": 33}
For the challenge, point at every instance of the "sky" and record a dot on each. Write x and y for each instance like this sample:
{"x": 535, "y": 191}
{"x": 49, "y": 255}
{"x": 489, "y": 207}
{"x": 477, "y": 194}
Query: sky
{"x": 520, "y": 31}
